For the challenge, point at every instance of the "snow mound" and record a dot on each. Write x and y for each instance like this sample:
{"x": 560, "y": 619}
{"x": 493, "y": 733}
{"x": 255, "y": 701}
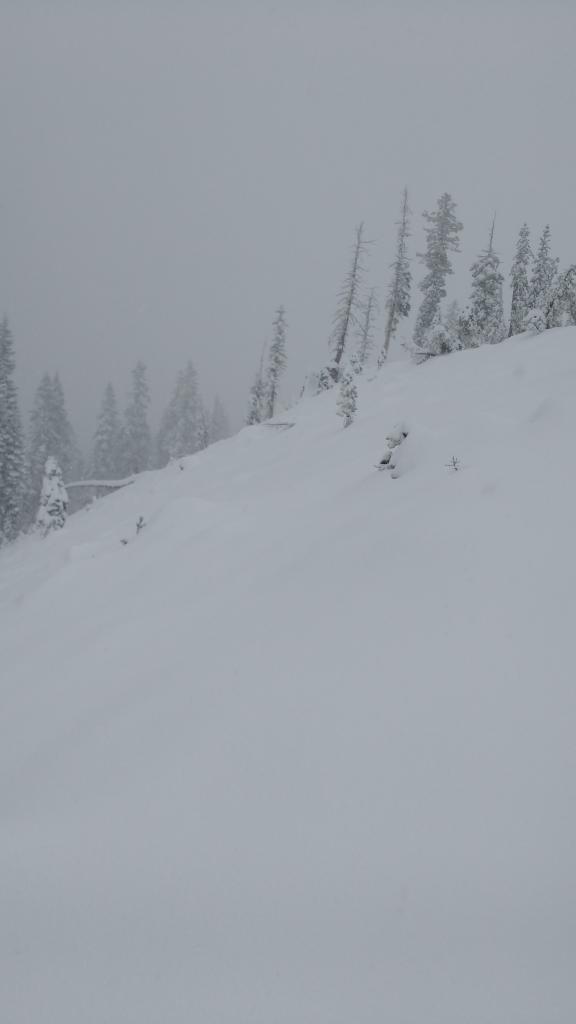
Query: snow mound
{"x": 300, "y": 749}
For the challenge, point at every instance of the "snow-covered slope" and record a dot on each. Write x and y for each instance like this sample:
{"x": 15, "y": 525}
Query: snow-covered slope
{"x": 304, "y": 750}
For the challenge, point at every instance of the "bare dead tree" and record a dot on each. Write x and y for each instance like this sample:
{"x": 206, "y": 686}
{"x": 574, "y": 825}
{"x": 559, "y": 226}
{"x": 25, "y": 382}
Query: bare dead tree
{"x": 365, "y": 332}
{"x": 398, "y": 301}
{"x": 347, "y": 315}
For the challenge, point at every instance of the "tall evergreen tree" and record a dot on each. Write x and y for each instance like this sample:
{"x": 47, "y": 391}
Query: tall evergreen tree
{"x": 442, "y": 230}
{"x": 276, "y": 361}
{"x": 203, "y": 427}
{"x": 365, "y": 331}
{"x": 11, "y": 441}
{"x": 562, "y": 301}
{"x": 453, "y": 327}
{"x": 346, "y": 316}
{"x": 544, "y": 276}
{"x": 257, "y": 401}
{"x": 486, "y": 304}
{"x": 180, "y": 425}
{"x": 43, "y": 441}
{"x": 398, "y": 301}
{"x": 137, "y": 436}
{"x": 436, "y": 340}
{"x": 108, "y": 452}
{"x": 219, "y": 425}
{"x": 520, "y": 282}
{"x": 68, "y": 455}
{"x": 51, "y": 434}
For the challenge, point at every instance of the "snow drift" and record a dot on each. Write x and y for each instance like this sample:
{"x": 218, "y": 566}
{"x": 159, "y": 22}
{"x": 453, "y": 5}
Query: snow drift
{"x": 302, "y": 750}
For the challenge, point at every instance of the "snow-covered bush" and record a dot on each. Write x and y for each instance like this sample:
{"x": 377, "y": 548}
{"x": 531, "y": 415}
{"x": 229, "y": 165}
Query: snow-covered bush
{"x": 326, "y": 378}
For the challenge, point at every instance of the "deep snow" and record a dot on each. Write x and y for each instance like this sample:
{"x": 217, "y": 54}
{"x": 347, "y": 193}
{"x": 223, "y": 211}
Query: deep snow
{"x": 303, "y": 751}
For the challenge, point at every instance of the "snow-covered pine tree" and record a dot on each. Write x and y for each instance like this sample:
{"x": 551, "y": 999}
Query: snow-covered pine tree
{"x": 365, "y": 331}
{"x": 53, "y": 510}
{"x": 347, "y": 398}
{"x": 42, "y": 441}
{"x": 203, "y": 426}
{"x": 137, "y": 436}
{"x": 108, "y": 452}
{"x": 519, "y": 279}
{"x": 544, "y": 277}
{"x": 346, "y": 316}
{"x": 435, "y": 341}
{"x": 562, "y": 300}
{"x": 11, "y": 442}
{"x": 257, "y": 401}
{"x": 178, "y": 433}
{"x": 442, "y": 230}
{"x": 453, "y": 328}
{"x": 398, "y": 301}
{"x": 276, "y": 361}
{"x": 486, "y": 302}
{"x": 50, "y": 434}
{"x": 68, "y": 454}
{"x": 535, "y": 321}
{"x": 219, "y": 424}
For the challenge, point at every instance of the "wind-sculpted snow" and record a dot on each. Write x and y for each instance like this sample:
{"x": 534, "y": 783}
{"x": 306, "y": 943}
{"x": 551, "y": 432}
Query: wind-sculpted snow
{"x": 301, "y": 751}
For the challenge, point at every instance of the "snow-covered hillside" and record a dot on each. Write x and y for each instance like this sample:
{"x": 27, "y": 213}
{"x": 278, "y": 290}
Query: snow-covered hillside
{"x": 304, "y": 750}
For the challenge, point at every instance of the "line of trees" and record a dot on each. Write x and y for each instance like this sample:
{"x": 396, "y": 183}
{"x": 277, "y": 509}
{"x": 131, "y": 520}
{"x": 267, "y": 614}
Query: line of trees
{"x": 543, "y": 296}
{"x": 36, "y": 463}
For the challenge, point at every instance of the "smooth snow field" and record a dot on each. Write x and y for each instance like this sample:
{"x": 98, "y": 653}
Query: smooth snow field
{"x": 304, "y": 750}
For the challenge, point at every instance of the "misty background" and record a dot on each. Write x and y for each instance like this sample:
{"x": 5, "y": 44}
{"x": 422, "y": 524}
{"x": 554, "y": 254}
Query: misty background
{"x": 173, "y": 171}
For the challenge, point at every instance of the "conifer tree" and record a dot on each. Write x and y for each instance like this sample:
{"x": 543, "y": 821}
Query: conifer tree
{"x": 562, "y": 301}
{"x": 53, "y": 510}
{"x": 436, "y": 340}
{"x": 257, "y": 401}
{"x": 486, "y": 304}
{"x": 219, "y": 425}
{"x": 67, "y": 455}
{"x": 519, "y": 280}
{"x": 535, "y": 321}
{"x": 137, "y": 437}
{"x": 179, "y": 428}
{"x": 11, "y": 442}
{"x": 346, "y": 316}
{"x": 365, "y": 331}
{"x": 544, "y": 276}
{"x": 108, "y": 452}
{"x": 43, "y": 441}
{"x": 276, "y": 362}
{"x": 51, "y": 434}
{"x": 398, "y": 301}
{"x": 453, "y": 328}
{"x": 203, "y": 427}
{"x": 442, "y": 230}
{"x": 347, "y": 398}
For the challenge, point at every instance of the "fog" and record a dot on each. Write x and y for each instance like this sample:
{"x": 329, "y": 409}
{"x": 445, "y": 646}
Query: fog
{"x": 172, "y": 172}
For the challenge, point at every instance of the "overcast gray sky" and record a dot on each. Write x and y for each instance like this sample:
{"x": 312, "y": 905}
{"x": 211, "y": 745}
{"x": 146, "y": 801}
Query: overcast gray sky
{"x": 172, "y": 171}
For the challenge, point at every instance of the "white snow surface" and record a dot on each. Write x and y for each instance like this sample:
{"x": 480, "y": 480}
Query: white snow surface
{"x": 304, "y": 750}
